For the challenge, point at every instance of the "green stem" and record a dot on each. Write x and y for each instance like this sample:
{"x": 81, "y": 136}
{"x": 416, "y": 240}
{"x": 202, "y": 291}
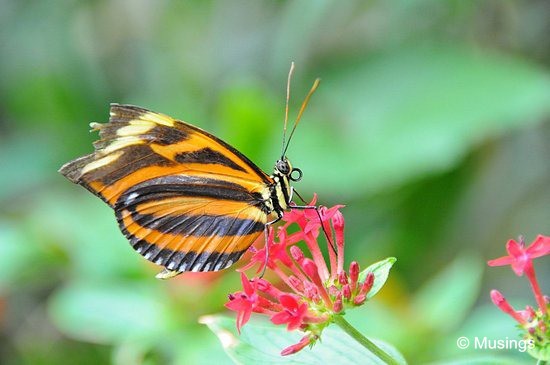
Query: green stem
{"x": 541, "y": 362}
{"x": 368, "y": 344}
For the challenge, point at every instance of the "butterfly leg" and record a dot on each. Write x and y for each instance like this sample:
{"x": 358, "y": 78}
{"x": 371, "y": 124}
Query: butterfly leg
{"x": 316, "y": 208}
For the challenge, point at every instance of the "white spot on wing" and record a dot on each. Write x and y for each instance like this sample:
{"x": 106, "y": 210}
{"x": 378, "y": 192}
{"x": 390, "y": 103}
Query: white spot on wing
{"x": 207, "y": 266}
{"x": 131, "y": 197}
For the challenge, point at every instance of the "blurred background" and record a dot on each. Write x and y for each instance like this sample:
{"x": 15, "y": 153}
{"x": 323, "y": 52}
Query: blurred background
{"x": 431, "y": 125}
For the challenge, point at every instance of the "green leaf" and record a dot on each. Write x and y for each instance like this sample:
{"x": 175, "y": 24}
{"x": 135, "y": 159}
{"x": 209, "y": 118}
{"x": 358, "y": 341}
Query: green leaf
{"x": 33, "y": 259}
{"x": 381, "y": 270}
{"x": 445, "y": 300}
{"x": 406, "y": 113}
{"x": 262, "y": 342}
{"x": 110, "y": 313}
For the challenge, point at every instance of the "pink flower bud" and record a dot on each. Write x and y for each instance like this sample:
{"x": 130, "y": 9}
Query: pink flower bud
{"x": 360, "y": 299}
{"x": 311, "y": 292}
{"x": 342, "y": 278}
{"x": 297, "y": 346}
{"x": 337, "y": 306}
{"x": 296, "y": 283}
{"x": 263, "y": 285}
{"x": 499, "y": 300}
{"x": 353, "y": 272}
{"x": 333, "y": 291}
{"x": 346, "y": 291}
{"x": 310, "y": 268}
{"x": 296, "y": 253}
{"x": 367, "y": 284}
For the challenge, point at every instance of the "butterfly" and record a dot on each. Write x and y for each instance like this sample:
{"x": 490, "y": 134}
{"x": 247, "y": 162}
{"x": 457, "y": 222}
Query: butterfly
{"x": 185, "y": 199}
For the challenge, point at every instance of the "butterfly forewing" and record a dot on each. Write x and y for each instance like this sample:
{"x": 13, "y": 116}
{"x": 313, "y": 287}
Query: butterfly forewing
{"x": 184, "y": 198}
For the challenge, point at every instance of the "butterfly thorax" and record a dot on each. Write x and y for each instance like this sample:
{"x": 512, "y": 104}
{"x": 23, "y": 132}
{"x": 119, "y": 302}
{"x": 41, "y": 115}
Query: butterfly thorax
{"x": 281, "y": 191}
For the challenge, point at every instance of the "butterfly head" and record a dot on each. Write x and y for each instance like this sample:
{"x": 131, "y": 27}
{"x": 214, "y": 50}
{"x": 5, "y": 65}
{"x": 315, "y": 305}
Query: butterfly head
{"x": 284, "y": 167}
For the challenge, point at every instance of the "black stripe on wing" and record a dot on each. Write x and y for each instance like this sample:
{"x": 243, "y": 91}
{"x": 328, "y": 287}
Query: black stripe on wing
{"x": 187, "y": 261}
{"x": 197, "y": 225}
{"x": 173, "y": 186}
{"x": 207, "y": 156}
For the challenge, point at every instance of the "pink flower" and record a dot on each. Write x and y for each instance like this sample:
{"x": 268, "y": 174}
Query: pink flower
{"x": 520, "y": 258}
{"x": 243, "y": 302}
{"x": 314, "y": 290}
{"x": 293, "y": 312}
{"x": 535, "y": 323}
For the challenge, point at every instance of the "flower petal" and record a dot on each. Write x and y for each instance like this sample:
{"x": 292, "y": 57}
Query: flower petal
{"x": 539, "y": 247}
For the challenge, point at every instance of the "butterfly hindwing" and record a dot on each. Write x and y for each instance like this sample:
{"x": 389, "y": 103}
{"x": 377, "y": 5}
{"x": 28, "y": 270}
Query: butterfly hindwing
{"x": 184, "y": 198}
{"x": 189, "y": 224}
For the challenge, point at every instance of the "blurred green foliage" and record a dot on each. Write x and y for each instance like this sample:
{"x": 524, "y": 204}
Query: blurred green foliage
{"x": 431, "y": 125}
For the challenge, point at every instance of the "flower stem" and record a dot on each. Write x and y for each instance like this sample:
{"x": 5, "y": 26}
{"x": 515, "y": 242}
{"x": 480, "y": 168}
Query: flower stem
{"x": 365, "y": 342}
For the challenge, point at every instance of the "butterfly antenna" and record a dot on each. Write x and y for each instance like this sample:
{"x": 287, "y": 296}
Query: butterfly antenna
{"x": 290, "y": 72}
{"x": 302, "y": 108}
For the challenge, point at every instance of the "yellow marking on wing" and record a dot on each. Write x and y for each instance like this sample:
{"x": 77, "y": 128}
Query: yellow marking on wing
{"x": 120, "y": 143}
{"x": 101, "y": 162}
{"x": 158, "y": 119}
{"x": 135, "y": 128}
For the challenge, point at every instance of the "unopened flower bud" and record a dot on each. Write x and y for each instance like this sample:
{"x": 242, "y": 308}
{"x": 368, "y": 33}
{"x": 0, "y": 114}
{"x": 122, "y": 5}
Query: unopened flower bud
{"x": 360, "y": 299}
{"x": 337, "y": 306}
{"x": 353, "y": 272}
{"x": 296, "y": 283}
{"x": 297, "y": 346}
{"x": 501, "y": 302}
{"x": 333, "y": 291}
{"x": 346, "y": 291}
{"x": 342, "y": 278}
{"x": 296, "y": 253}
{"x": 367, "y": 284}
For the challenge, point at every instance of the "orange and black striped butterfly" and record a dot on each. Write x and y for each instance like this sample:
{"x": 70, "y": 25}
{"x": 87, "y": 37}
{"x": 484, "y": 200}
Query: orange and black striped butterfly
{"x": 185, "y": 199}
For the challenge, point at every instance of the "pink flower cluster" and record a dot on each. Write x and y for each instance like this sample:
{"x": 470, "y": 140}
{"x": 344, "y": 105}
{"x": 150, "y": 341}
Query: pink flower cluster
{"x": 311, "y": 292}
{"x": 536, "y": 322}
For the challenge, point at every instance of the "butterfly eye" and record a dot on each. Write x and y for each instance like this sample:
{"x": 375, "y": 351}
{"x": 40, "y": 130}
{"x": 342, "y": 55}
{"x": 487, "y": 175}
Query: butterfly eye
{"x": 283, "y": 167}
{"x": 296, "y": 174}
